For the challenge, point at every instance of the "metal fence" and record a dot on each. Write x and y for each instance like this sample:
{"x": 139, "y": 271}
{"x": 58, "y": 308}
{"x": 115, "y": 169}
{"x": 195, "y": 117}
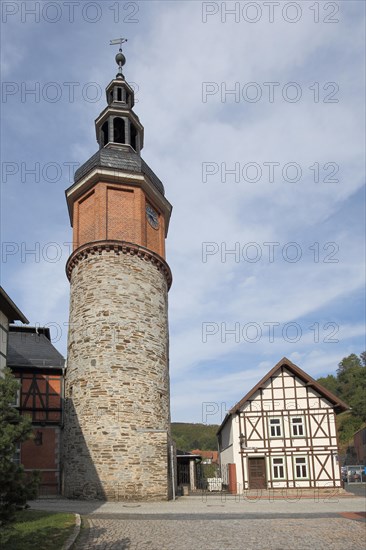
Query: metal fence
{"x": 212, "y": 477}
{"x": 354, "y": 474}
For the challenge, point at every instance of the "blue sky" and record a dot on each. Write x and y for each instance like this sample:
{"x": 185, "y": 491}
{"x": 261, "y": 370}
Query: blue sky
{"x": 303, "y": 296}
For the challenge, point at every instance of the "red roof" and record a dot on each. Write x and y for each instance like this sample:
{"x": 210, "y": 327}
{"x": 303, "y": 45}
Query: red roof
{"x": 213, "y": 455}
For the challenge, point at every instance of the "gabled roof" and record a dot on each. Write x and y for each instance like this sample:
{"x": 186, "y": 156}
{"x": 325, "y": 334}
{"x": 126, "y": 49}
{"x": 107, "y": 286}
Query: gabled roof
{"x": 32, "y": 348}
{"x": 338, "y": 404}
{"x": 8, "y": 307}
{"x": 213, "y": 455}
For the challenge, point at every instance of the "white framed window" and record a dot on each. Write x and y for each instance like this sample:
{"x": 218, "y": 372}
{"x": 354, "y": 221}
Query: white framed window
{"x": 297, "y": 426}
{"x": 278, "y": 467}
{"x": 16, "y": 456}
{"x": 301, "y": 467}
{"x": 275, "y": 427}
{"x": 16, "y": 399}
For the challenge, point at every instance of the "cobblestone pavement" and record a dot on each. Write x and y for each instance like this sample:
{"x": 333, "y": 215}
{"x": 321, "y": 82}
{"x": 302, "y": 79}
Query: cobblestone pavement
{"x": 216, "y": 523}
{"x": 205, "y": 533}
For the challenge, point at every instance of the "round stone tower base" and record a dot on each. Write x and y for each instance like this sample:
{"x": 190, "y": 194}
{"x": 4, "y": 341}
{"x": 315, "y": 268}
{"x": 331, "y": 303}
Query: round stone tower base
{"x": 116, "y": 437}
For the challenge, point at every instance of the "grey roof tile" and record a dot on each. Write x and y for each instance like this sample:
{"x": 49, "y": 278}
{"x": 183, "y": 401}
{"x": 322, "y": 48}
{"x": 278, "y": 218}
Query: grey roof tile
{"x": 29, "y": 349}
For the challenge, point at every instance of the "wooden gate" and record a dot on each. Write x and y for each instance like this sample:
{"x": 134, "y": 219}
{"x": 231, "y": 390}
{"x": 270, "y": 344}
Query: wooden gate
{"x": 183, "y": 473}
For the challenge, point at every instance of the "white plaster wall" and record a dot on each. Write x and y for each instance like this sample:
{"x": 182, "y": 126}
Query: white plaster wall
{"x": 226, "y": 450}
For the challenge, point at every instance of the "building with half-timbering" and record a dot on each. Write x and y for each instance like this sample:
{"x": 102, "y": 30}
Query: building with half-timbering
{"x": 39, "y": 367}
{"x": 282, "y": 434}
{"x": 9, "y": 313}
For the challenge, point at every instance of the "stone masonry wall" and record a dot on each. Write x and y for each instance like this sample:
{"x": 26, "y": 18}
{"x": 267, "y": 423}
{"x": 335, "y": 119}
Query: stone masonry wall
{"x": 116, "y": 433}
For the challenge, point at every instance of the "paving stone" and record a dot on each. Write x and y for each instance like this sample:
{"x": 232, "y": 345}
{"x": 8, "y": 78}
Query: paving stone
{"x": 218, "y": 522}
{"x": 208, "y": 534}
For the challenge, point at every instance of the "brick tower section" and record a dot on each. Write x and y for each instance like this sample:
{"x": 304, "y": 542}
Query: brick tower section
{"x": 116, "y": 438}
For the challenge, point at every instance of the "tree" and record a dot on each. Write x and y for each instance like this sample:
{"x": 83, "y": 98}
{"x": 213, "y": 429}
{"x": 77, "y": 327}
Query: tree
{"x": 350, "y": 385}
{"x": 351, "y": 378}
{"x": 15, "y": 487}
{"x": 329, "y": 382}
{"x": 347, "y": 363}
{"x": 194, "y": 436}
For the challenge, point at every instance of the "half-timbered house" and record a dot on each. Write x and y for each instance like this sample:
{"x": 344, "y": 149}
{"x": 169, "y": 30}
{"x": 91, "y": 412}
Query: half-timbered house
{"x": 282, "y": 434}
{"x": 9, "y": 313}
{"x": 39, "y": 367}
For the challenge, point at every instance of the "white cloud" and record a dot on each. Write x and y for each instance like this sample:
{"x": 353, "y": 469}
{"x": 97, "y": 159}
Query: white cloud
{"x": 169, "y": 55}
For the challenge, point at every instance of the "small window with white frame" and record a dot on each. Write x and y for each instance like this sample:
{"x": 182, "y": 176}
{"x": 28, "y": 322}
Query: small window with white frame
{"x": 16, "y": 399}
{"x": 301, "y": 467}
{"x": 16, "y": 456}
{"x": 275, "y": 427}
{"x": 278, "y": 467}
{"x": 297, "y": 426}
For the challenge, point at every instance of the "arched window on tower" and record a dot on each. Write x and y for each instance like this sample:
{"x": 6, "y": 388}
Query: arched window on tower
{"x": 105, "y": 137}
{"x": 119, "y": 130}
{"x": 111, "y": 96}
{"x": 119, "y": 94}
{"x": 133, "y": 137}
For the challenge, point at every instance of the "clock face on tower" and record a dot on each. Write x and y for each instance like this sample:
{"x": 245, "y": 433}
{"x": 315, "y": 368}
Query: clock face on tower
{"x": 152, "y": 216}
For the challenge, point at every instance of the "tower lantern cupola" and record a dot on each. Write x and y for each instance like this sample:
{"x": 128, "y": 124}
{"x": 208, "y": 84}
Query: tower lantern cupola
{"x": 117, "y": 124}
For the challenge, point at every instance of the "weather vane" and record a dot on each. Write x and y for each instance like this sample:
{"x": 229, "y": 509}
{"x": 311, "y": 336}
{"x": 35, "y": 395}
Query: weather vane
{"x": 120, "y": 58}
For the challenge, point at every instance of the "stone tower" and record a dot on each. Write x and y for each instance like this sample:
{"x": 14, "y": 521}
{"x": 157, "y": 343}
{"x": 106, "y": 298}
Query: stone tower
{"x": 116, "y": 437}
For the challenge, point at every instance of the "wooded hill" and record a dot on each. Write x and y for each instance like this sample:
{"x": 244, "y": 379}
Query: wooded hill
{"x": 195, "y": 436}
{"x": 349, "y": 383}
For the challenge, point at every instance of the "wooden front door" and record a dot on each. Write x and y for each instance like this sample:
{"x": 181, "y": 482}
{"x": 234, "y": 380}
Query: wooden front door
{"x": 257, "y": 473}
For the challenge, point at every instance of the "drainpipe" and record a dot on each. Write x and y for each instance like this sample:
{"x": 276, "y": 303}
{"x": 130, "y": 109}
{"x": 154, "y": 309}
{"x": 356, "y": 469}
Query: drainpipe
{"x": 172, "y": 469}
{"x": 61, "y": 437}
{"x": 241, "y": 451}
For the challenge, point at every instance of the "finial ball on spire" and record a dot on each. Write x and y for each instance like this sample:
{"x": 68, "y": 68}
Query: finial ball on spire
{"x": 120, "y": 59}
